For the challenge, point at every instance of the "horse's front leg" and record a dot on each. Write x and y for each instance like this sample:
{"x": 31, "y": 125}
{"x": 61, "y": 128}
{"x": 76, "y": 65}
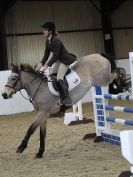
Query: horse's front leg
{"x": 24, "y": 142}
{"x": 42, "y": 143}
{"x": 30, "y": 131}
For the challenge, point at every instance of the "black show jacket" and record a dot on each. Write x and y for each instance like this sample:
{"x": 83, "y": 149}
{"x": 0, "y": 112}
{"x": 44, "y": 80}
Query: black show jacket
{"x": 56, "y": 46}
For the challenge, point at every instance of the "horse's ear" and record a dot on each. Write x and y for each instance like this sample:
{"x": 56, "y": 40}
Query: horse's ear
{"x": 13, "y": 65}
{"x": 15, "y": 68}
{"x": 22, "y": 66}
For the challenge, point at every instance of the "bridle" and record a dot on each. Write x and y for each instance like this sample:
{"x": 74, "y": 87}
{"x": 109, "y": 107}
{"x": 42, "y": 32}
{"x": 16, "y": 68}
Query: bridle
{"x": 18, "y": 76}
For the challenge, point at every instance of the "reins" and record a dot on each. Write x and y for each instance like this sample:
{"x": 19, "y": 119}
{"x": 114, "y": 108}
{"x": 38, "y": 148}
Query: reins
{"x": 31, "y": 99}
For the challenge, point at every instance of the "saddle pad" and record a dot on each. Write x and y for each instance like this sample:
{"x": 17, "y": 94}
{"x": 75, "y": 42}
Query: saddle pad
{"x": 73, "y": 80}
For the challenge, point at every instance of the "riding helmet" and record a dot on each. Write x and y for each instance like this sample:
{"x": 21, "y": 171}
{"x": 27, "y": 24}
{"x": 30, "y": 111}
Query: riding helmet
{"x": 49, "y": 25}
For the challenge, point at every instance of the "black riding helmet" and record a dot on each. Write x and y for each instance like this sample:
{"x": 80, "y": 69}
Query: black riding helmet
{"x": 49, "y": 25}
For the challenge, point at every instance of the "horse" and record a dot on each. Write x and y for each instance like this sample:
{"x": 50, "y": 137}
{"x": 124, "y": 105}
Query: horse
{"x": 93, "y": 70}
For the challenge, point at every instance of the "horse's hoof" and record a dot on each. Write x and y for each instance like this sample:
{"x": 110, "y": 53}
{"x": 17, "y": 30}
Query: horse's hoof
{"x": 38, "y": 156}
{"x": 20, "y": 149}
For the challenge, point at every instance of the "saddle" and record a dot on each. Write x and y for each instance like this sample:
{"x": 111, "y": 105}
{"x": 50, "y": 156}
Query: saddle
{"x": 71, "y": 80}
{"x": 53, "y": 79}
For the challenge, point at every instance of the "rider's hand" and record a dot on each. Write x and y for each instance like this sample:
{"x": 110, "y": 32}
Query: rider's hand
{"x": 38, "y": 67}
{"x": 43, "y": 68}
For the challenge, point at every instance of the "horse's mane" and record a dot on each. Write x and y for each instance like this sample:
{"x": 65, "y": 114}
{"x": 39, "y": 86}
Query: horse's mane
{"x": 28, "y": 68}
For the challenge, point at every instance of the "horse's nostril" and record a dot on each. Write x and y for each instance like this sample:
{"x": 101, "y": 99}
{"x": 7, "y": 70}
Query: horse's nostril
{"x": 4, "y": 95}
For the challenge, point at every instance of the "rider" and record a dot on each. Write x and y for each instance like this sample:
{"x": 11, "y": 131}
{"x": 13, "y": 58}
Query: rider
{"x": 61, "y": 59}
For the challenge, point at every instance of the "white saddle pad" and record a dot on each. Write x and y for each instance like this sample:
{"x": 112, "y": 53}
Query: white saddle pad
{"x": 73, "y": 80}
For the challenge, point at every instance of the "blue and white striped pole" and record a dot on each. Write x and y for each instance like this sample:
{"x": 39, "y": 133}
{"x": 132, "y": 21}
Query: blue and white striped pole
{"x": 118, "y": 97}
{"x": 113, "y": 119}
{"x": 118, "y": 108}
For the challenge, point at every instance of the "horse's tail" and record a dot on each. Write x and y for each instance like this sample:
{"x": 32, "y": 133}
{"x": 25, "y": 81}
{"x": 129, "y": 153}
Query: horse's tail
{"x": 123, "y": 80}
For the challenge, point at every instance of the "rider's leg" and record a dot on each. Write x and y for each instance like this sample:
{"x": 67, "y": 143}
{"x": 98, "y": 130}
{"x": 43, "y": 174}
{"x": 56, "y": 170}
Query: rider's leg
{"x": 63, "y": 89}
{"x": 55, "y": 67}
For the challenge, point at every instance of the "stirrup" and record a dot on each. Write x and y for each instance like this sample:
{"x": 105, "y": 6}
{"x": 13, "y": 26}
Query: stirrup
{"x": 65, "y": 102}
{"x": 59, "y": 103}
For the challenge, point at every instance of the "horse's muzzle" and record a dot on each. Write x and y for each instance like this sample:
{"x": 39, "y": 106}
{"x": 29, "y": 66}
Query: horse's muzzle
{"x": 5, "y": 96}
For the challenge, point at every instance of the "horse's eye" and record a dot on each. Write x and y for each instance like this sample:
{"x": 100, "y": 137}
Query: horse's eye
{"x": 14, "y": 78}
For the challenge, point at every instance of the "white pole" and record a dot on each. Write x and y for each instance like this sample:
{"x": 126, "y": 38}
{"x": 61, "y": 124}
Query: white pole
{"x": 98, "y": 133}
{"x": 80, "y": 113}
{"x": 77, "y": 110}
{"x": 131, "y": 67}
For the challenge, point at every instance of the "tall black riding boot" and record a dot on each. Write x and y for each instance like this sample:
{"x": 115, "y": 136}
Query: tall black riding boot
{"x": 64, "y": 95}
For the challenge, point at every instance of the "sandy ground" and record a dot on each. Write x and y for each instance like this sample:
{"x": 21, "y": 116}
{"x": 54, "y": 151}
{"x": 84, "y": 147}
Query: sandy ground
{"x": 66, "y": 155}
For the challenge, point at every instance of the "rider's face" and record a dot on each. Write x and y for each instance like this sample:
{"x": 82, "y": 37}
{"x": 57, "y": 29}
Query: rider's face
{"x": 46, "y": 33}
